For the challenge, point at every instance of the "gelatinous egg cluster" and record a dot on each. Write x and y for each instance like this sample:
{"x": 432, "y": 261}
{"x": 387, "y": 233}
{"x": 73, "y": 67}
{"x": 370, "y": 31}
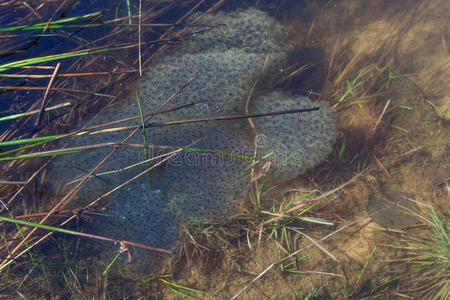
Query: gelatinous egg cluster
{"x": 199, "y": 184}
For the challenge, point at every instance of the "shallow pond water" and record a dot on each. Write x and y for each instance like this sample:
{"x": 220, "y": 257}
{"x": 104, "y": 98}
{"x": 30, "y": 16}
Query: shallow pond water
{"x": 381, "y": 66}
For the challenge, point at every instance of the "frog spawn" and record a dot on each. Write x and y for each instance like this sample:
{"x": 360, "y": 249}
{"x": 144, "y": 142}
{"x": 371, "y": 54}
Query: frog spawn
{"x": 201, "y": 185}
{"x": 296, "y": 142}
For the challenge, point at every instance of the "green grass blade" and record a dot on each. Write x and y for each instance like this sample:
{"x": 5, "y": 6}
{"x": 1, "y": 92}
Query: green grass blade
{"x": 38, "y": 60}
{"x": 16, "y": 116}
{"x": 181, "y": 293}
{"x": 42, "y": 226}
{"x": 67, "y": 283}
{"x": 41, "y": 140}
{"x": 366, "y": 263}
{"x": 22, "y": 148}
{"x": 41, "y": 26}
{"x": 295, "y": 261}
{"x": 129, "y": 11}
{"x": 32, "y": 35}
{"x": 440, "y": 111}
{"x": 316, "y": 221}
{"x": 185, "y": 287}
{"x": 307, "y": 209}
{"x": 144, "y": 135}
{"x": 39, "y": 154}
{"x": 31, "y": 140}
{"x": 147, "y": 280}
{"x": 141, "y": 113}
{"x": 110, "y": 264}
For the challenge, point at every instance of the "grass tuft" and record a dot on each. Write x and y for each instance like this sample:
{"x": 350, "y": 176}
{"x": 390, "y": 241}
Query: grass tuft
{"x": 428, "y": 255}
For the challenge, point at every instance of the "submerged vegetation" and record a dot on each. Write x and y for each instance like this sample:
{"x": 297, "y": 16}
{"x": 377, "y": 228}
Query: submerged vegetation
{"x": 382, "y": 66}
{"x": 427, "y": 252}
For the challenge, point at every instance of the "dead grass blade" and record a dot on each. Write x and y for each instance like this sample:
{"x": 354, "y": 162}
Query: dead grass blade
{"x": 294, "y": 254}
{"x": 82, "y": 234}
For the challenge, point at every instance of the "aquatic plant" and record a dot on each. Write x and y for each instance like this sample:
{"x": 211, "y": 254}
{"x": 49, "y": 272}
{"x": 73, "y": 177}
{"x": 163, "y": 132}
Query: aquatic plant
{"x": 427, "y": 254}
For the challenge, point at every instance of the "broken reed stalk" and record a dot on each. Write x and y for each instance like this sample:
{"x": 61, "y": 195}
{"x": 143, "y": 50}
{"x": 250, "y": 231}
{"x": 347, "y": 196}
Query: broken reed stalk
{"x": 47, "y": 90}
{"x": 38, "y": 88}
{"x": 231, "y": 117}
{"x": 58, "y": 213}
{"x": 179, "y": 34}
{"x": 82, "y": 234}
{"x": 198, "y": 120}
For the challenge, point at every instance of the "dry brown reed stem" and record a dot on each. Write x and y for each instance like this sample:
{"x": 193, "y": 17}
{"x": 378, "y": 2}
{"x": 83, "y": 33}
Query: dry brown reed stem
{"x": 94, "y": 147}
{"x": 326, "y": 194}
{"x": 19, "y": 191}
{"x": 208, "y": 119}
{"x": 54, "y": 14}
{"x": 291, "y": 74}
{"x": 47, "y": 90}
{"x": 168, "y": 31}
{"x": 133, "y": 165}
{"x": 38, "y": 88}
{"x": 317, "y": 244}
{"x": 142, "y": 173}
{"x": 88, "y": 130}
{"x": 60, "y": 204}
{"x": 210, "y": 10}
{"x": 33, "y": 11}
{"x": 250, "y": 94}
{"x": 58, "y": 213}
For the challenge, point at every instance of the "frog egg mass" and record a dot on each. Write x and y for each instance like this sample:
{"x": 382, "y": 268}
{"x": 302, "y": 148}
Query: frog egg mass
{"x": 205, "y": 185}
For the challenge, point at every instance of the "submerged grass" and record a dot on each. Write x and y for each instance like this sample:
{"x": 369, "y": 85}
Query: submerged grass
{"x": 428, "y": 255}
{"x": 176, "y": 287}
{"x": 81, "y": 234}
{"x": 20, "y": 115}
{"x": 38, "y": 60}
{"x": 280, "y": 222}
{"x": 50, "y": 25}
